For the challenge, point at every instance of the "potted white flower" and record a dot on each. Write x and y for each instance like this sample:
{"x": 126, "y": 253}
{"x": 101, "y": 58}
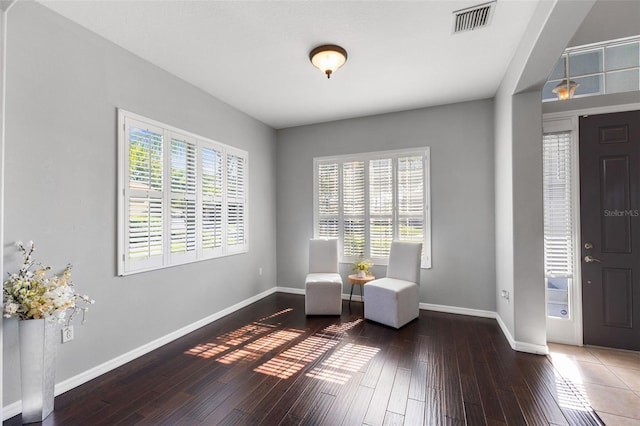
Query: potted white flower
{"x": 39, "y": 302}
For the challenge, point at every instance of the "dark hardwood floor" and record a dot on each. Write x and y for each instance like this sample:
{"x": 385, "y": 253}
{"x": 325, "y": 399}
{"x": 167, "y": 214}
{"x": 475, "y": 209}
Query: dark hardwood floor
{"x": 269, "y": 364}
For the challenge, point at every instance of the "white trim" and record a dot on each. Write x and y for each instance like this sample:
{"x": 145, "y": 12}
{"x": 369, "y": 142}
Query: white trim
{"x": 521, "y": 346}
{"x": 4, "y": 13}
{"x": 290, "y": 290}
{"x": 15, "y": 408}
{"x": 366, "y": 157}
{"x": 457, "y": 310}
{"x": 566, "y": 332}
{"x": 590, "y": 111}
{"x": 168, "y": 133}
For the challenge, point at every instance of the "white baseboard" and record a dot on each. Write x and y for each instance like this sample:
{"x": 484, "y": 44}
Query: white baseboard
{"x": 457, "y": 310}
{"x": 15, "y": 408}
{"x": 293, "y": 290}
{"x": 521, "y": 346}
{"x": 515, "y": 345}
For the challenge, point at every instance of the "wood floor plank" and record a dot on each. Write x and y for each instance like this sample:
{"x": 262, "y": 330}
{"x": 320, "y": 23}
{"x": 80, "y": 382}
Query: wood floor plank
{"x": 393, "y": 419}
{"x": 414, "y": 414}
{"x": 380, "y": 400}
{"x": 418, "y": 381}
{"x": 270, "y": 364}
{"x": 358, "y": 408}
{"x": 399, "y": 391}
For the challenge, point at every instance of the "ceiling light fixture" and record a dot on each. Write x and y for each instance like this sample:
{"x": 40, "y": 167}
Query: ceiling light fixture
{"x": 565, "y": 89}
{"x": 328, "y": 58}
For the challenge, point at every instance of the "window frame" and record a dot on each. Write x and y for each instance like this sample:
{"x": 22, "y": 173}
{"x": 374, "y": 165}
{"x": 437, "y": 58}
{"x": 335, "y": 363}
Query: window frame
{"x": 367, "y": 157}
{"x": 169, "y": 134}
{"x": 567, "y": 127}
{"x": 601, "y": 47}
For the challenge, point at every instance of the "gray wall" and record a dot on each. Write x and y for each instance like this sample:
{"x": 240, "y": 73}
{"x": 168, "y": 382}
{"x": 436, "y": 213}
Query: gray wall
{"x": 518, "y": 185}
{"x": 462, "y": 196}
{"x": 608, "y": 20}
{"x": 64, "y": 85}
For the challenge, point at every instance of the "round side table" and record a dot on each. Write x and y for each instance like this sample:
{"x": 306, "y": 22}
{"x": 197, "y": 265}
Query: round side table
{"x": 354, "y": 280}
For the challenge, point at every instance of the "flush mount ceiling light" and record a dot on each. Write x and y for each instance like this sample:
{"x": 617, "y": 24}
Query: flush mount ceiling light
{"x": 565, "y": 89}
{"x": 328, "y": 58}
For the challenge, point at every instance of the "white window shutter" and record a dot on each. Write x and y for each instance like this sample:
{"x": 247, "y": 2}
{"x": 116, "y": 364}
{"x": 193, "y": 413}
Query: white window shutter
{"x": 557, "y": 197}
{"x": 212, "y": 172}
{"x": 411, "y": 205}
{"x": 183, "y": 197}
{"x": 369, "y": 200}
{"x": 144, "y": 197}
{"x": 328, "y": 200}
{"x": 183, "y": 177}
{"x": 236, "y": 212}
{"x": 381, "y": 206}
{"x": 353, "y": 209}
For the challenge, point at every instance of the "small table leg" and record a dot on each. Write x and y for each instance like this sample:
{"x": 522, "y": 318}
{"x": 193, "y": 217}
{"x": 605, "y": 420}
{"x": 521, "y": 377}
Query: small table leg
{"x": 351, "y": 295}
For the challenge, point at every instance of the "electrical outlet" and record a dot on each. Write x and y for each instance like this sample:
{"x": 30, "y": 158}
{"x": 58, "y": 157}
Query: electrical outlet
{"x": 505, "y": 294}
{"x": 67, "y": 334}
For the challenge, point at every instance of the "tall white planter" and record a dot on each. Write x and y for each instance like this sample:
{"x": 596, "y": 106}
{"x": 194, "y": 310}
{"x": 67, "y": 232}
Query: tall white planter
{"x": 37, "y": 368}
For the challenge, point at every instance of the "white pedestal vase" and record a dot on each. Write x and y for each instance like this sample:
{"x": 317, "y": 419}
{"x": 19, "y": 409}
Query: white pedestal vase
{"x": 38, "y": 347}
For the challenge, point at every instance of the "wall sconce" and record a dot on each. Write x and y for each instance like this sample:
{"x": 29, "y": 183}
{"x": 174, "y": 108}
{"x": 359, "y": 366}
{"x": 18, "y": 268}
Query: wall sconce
{"x": 565, "y": 89}
{"x": 328, "y": 58}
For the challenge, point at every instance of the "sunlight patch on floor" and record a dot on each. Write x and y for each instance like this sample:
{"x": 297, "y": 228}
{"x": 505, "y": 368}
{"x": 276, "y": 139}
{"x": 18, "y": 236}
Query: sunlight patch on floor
{"x": 350, "y": 358}
{"x": 235, "y": 338}
{"x": 337, "y": 368}
{"x": 294, "y": 359}
{"x": 258, "y": 348}
{"x": 570, "y": 388}
{"x": 207, "y": 350}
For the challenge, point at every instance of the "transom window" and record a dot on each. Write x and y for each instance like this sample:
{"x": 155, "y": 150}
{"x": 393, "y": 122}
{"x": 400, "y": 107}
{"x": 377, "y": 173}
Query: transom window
{"x": 182, "y": 196}
{"x": 369, "y": 200}
{"x": 598, "y": 69}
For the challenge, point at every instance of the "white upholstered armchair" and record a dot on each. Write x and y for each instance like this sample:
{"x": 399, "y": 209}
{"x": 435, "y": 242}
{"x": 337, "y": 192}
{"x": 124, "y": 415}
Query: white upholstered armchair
{"x": 395, "y": 299}
{"x": 323, "y": 285}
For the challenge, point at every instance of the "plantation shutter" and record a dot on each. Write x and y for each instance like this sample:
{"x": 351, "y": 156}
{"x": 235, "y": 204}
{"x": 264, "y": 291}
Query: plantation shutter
{"x": 183, "y": 197}
{"x": 212, "y": 172}
{"x": 369, "y": 200}
{"x": 236, "y": 223}
{"x": 411, "y": 205}
{"x": 381, "y": 206}
{"x": 328, "y": 201}
{"x": 353, "y": 208}
{"x": 558, "y": 215}
{"x": 144, "y": 196}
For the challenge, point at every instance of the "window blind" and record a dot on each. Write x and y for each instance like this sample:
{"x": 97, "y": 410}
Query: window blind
{"x": 369, "y": 200}
{"x": 381, "y": 192}
{"x": 328, "y": 200}
{"x": 353, "y": 208}
{"x": 557, "y": 198}
{"x": 184, "y": 197}
{"x": 212, "y": 190}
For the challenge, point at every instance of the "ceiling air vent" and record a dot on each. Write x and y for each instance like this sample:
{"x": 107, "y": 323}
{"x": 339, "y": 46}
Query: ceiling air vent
{"x": 473, "y": 17}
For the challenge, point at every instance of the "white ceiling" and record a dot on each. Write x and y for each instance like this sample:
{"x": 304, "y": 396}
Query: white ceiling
{"x": 254, "y": 54}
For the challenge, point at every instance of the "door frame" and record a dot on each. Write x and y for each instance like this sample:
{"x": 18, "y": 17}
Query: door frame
{"x": 570, "y": 331}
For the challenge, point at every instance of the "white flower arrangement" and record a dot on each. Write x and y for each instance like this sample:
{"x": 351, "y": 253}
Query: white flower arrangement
{"x": 30, "y": 294}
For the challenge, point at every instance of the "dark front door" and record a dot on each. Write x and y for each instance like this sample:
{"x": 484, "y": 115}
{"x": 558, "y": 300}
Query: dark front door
{"x": 610, "y": 226}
